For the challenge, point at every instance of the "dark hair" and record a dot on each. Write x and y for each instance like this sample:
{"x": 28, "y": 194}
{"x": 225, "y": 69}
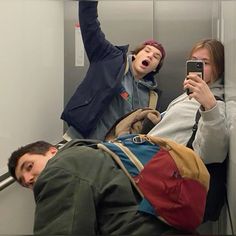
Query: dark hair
{"x": 155, "y": 44}
{"x": 216, "y": 52}
{"x": 39, "y": 147}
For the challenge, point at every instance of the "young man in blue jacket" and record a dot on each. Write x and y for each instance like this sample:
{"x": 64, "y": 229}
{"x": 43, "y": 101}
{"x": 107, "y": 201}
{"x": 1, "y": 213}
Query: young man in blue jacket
{"x": 115, "y": 83}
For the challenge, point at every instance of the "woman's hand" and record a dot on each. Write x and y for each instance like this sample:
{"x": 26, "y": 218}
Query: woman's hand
{"x": 200, "y": 91}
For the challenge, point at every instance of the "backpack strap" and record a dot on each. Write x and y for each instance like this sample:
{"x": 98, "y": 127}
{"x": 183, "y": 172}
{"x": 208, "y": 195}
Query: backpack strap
{"x": 195, "y": 126}
{"x": 153, "y": 98}
{"x": 194, "y": 129}
{"x": 117, "y": 159}
{"x": 78, "y": 142}
{"x": 126, "y": 67}
{"x": 217, "y": 173}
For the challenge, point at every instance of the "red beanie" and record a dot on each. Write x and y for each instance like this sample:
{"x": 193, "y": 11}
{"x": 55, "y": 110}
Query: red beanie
{"x": 157, "y": 45}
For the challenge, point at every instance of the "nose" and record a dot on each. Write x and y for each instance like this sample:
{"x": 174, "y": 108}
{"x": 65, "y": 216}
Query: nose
{"x": 150, "y": 55}
{"x": 28, "y": 180}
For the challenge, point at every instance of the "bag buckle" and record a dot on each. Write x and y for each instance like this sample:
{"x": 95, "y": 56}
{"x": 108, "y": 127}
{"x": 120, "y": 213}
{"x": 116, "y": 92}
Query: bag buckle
{"x": 138, "y": 140}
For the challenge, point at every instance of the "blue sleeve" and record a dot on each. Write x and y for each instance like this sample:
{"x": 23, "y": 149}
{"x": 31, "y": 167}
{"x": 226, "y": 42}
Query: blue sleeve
{"x": 95, "y": 43}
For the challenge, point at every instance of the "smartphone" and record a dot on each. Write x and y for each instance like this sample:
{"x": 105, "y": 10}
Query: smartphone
{"x": 195, "y": 66}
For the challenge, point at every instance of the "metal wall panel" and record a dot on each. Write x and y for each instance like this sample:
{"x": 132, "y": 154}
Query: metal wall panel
{"x": 178, "y": 25}
{"x": 17, "y": 211}
{"x": 31, "y": 93}
{"x": 31, "y": 65}
{"x": 229, "y": 38}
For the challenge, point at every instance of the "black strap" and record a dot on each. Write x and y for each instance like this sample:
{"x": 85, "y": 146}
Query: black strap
{"x": 195, "y": 126}
{"x": 78, "y": 142}
{"x": 194, "y": 129}
{"x": 217, "y": 193}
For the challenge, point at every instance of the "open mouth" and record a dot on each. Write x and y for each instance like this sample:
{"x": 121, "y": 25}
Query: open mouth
{"x": 145, "y": 62}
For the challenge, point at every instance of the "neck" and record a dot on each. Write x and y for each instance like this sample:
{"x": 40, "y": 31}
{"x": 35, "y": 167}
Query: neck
{"x": 136, "y": 74}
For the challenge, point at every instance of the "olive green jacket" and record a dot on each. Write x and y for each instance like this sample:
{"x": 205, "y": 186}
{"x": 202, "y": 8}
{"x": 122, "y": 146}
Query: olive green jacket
{"x": 82, "y": 191}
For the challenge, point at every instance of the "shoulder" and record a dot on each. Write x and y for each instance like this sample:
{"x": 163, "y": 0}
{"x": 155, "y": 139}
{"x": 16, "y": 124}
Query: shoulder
{"x": 217, "y": 88}
{"x": 78, "y": 154}
{"x": 81, "y": 163}
{"x": 180, "y": 98}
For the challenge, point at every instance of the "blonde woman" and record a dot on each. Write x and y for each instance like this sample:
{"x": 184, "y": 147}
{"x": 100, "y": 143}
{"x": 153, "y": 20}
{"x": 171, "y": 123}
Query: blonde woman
{"x": 211, "y": 139}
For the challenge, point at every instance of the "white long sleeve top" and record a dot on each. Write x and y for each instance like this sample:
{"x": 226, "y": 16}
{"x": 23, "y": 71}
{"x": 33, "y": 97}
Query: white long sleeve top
{"x": 212, "y": 137}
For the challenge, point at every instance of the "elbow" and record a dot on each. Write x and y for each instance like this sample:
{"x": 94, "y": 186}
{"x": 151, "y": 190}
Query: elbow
{"x": 213, "y": 152}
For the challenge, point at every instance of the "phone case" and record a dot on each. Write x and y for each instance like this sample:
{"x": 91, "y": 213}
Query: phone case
{"x": 195, "y": 66}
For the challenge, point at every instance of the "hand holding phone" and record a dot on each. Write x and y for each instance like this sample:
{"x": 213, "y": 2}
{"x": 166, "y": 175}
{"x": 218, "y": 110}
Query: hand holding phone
{"x": 196, "y": 67}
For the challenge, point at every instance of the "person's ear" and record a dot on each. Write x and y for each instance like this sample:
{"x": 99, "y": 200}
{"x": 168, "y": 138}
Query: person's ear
{"x": 53, "y": 151}
{"x": 133, "y": 57}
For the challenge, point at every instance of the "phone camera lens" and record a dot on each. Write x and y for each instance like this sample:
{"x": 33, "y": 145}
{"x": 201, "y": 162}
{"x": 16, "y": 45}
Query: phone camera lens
{"x": 199, "y": 65}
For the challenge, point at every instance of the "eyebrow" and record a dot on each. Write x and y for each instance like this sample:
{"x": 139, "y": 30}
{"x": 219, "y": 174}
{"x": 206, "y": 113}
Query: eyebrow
{"x": 203, "y": 59}
{"x": 156, "y": 53}
{"x": 22, "y": 166}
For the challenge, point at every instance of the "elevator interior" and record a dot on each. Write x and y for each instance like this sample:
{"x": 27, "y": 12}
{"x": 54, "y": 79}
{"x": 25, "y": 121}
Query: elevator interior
{"x": 39, "y": 72}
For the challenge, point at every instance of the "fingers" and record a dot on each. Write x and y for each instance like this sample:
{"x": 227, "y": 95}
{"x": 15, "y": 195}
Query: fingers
{"x": 200, "y": 91}
{"x": 194, "y": 83}
{"x": 194, "y": 76}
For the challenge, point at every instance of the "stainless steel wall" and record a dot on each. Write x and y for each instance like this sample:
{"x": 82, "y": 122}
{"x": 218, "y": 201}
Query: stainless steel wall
{"x": 31, "y": 93}
{"x": 178, "y": 25}
{"x": 228, "y": 36}
{"x": 17, "y": 211}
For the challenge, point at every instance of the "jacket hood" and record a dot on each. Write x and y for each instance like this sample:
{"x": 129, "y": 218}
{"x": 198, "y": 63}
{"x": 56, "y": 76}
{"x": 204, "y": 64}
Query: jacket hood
{"x": 217, "y": 87}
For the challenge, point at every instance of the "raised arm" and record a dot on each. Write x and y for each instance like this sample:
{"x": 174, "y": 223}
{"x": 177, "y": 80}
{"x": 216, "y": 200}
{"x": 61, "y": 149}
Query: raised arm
{"x": 95, "y": 43}
{"x": 212, "y": 137}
